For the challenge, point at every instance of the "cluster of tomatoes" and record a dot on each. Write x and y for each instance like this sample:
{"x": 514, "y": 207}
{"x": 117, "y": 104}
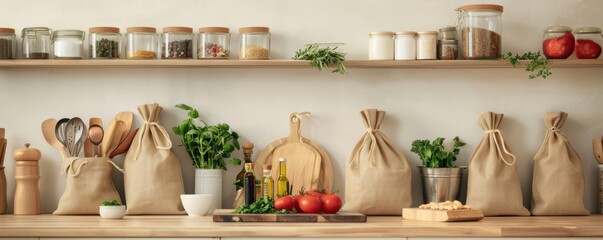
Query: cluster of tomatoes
{"x": 314, "y": 201}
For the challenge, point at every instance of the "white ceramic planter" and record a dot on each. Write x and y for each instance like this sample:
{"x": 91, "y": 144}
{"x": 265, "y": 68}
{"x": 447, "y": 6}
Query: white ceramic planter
{"x": 197, "y": 204}
{"x": 209, "y": 181}
{"x": 112, "y": 212}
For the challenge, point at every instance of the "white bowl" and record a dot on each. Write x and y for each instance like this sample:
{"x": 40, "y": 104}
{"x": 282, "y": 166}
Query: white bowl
{"x": 112, "y": 212}
{"x": 197, "y": 204}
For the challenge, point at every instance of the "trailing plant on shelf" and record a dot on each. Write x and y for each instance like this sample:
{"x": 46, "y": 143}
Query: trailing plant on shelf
{"x": 538, "y": 65}
{"x": 322, "y": 57}
{"x": 434, "y": 155}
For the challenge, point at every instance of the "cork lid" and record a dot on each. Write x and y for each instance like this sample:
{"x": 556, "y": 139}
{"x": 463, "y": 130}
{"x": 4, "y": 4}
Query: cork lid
{"x": 142, "y": 29}
{"x": 406, "y": 33}
{"x": 103, "y": 30}
{"x": 381, "y": 33}
{"x": 214, "y": 29}
{"x": 558, "y": 29}
{"x": 7, "y": 30}
{"x": 477, "y": 7}
{"x": 427, "y": 33}
{"x": 253, "y": 29}
{"x": 178, "y": 29}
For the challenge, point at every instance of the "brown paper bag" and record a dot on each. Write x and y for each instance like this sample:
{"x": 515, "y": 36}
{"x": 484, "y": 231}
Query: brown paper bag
{"x": 89, "y": 183}
{"x": 558, "y": 184}
{"x": 152, "y": 180}
{"x": 378, "y": 177}
{"x": 493, "y": 183}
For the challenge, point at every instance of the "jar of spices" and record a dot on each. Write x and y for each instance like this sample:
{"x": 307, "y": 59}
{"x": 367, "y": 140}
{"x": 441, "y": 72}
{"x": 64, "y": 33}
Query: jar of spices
{"x": 381, "y": 46}
{"x": 558, "y": 42}
{"x": 104, "y": 43}
{"x": 588, "y": 42}
{"x": 68, "y": 44}
{"x": 141, "y": 43}
{"x": 481, "y": 28}
{"x": 447, "y": 49}
{"x": 177, "y": 43}
{"x": 447, "y": 33}
{"x": 427, "y": 45}
{"x": 406, "y": 46}
{"x": 255, "y": 43}
{"x": 213, "y": 43}
{"x": 8, "y": 44}
{"x": 36, "y": 42}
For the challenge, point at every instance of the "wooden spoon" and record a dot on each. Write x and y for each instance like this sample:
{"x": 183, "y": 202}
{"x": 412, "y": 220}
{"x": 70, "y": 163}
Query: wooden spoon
{"x": 109, "y": 132}
{"x": 125, "y": 145}
{"x": 48, "y": 130}
{"x": 598, "y": 149}
{"x": 127, "y": 118}
{"x": 116, "y": 136}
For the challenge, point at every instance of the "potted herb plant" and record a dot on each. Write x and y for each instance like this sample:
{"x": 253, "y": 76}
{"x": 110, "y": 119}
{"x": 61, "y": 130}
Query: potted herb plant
{"x": 112, "y": 210}
{"x": 440, "y": 177}
{"x": 210, "y": 148}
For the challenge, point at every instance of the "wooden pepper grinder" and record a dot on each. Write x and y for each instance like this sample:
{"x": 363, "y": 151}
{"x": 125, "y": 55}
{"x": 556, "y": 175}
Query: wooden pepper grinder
{"x": 27, "y": 176}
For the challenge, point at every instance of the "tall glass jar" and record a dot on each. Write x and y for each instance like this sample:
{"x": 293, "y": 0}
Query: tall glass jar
{"x": 558, "y": 42}
{"x": 141, "y": 43}
{"x": 104, "y": 43}
{"x": 427, "y": 45}
{"x": 255, "y": 43}
{"x": 213, "y": 43}
{"x": 406, "y": 46}
{"x": 68, "y": 44}
{"x": 481, "y": 28}
{"x": 381, "y": 46}
{"x": 36, "y": 42}
{"x": 177, "y": 43}
{"x": 8, "y": 44}
{"x": 588, "y": 42}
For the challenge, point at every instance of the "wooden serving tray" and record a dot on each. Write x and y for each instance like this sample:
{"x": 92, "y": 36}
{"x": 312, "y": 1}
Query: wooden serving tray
{"x": 226, "y": 215}
{"x": 442, "y": 215}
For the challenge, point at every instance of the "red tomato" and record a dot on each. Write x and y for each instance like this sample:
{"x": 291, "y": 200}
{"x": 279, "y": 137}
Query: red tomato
{"x": 331, "y": 203}
{"x": 296, "y": 203}
{"x": 286, "y": 202}
{"x": 317, "y": 193}
{"x": 559, "y": 48}
{"x": 587, "y": 49}
{"x": 310, "y": 204}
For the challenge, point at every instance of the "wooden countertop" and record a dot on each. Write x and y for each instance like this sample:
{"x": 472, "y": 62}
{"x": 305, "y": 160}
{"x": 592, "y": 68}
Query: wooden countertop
{"x": 184, "y": 226}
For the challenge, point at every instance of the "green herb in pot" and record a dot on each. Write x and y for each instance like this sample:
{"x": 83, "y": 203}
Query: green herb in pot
{"x": 111, "y": 203}
{"x": 433, "y": 154}
{"x": 322, "y": 57}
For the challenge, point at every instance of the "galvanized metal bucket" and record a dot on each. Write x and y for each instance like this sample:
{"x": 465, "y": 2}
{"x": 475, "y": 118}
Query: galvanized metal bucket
{"x": 441, "y": 184}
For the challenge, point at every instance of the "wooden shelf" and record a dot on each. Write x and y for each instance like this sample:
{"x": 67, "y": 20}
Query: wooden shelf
{"x": 194, "y": 63}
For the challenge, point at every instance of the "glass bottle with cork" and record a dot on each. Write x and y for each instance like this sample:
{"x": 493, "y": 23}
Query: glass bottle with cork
{"x": 267, "y": 181}
{"x": 247, "y": 152}
{"x": 282, "y": 184}
{"x": 249, "y": 184}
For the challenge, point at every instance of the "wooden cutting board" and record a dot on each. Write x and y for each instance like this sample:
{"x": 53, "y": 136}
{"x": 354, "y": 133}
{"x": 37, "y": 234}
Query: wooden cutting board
{"x": 226, "y": 215}
{"x": 442, "y": 215}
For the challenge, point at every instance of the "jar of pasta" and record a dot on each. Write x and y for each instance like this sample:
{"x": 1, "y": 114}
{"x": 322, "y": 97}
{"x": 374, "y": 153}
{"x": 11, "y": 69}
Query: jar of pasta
{"x": 255, "y": 43}
{"x": 141, "y": 43}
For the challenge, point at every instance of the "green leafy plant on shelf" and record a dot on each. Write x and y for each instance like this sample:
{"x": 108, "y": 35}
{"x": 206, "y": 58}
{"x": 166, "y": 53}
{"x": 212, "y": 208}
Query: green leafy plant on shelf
{"x": 538, "y": 65}
{"x": 434, "y": 155}
{"x": 322, "y": 57}
{"x": 111, "y": 203}
{"x": 208, "y": 146}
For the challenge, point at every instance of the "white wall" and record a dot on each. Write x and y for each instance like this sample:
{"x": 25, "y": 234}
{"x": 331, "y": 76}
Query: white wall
{"x": 420, "y": 103}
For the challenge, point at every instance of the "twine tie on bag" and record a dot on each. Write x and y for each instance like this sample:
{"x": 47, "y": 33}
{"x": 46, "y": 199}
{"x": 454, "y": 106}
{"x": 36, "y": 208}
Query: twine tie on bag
{"x": 372, "y": 148}
{"x": 146, "y": 127}
{"x": 499, "y": 146}
{"x": 68, "y": 164}
{"x": 115, "y": 165}
{"x": 547, "y": 137}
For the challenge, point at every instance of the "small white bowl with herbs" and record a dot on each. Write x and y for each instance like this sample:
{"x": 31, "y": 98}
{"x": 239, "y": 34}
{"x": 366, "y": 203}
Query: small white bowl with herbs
{"x": 112, "y": 210}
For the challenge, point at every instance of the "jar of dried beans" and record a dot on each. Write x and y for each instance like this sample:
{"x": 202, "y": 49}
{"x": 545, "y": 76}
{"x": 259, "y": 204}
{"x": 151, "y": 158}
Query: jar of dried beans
{"x": 177, "y": 43}
{"x": 68, "y": 44}
{"x": 588, "y": 42}
{"x": 8, "y": 45}
{"x": 255, "y": 43}
{"x": 427, "y": 42}
{"x": 447, "y": 49}
{"x": 481, "y": 27}
{"x": 36, "y": 42}
{"x": 104, "y": 43}
{"x": 141, "y": 43}
{"x": 213, "y": 43}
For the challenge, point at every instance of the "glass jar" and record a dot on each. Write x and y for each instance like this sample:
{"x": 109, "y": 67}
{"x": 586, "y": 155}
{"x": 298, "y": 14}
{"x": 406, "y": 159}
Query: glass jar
{"x": 213, "y": 43}
{"x": 406, "y": 46}
{"x": 588, "y": 42}
{"x": 8, "y": 44}
{"x": 36, "y": 42}
{"x": 447, "y": 49}
{"x": 558, "y": 42}
{"x": 177, "y": 43}
{"x": 481, "y": 28}
{"x": 141, "y": 43}
{"x": 255, "y": 43}
{"x": 427, "y": 45}
{"x": 104, "y": 43}
{"x": 447, "y": 33}
{"x": 381, "y": 46}
{"x": 68, "y": 44}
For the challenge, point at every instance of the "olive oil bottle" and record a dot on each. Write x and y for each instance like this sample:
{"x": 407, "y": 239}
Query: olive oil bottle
{"x": 282, "y": 184}
{"x": 249, "y": 184}
{"x": 247, "y": 151}
{"x": 268, "y": 182}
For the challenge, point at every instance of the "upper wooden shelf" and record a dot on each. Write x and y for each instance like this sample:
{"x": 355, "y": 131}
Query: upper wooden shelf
{"x": 194, "y": 63}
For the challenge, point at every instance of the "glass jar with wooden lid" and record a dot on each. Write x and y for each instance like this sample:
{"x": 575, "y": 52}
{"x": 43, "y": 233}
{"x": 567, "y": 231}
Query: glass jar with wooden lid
{"x": 213, "y": 43}
{"x": 481, "y": 29}
{"x": 141, "y": 43}
{"x": 8, "y": 43}
{"x": 177, "y": 43}
{"x": 104, "y": 42}
{"x": 255, "y": 43}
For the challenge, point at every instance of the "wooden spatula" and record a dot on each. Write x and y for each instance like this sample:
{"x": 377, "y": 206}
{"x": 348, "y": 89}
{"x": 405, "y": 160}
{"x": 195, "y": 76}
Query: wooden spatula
{"x": 598, "y": 149}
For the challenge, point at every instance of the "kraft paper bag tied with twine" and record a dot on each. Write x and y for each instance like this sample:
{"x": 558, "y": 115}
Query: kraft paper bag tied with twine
{"x": 378, "y": 177}
{"x": 152, "y": 180}
{"x": 89, "y": 183}
{"x": 558, "y": 183}
{"x": 493, "y": 183}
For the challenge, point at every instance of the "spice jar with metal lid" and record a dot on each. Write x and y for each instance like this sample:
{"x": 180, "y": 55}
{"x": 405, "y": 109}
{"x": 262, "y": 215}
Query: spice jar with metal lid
{"x": 213, "y": 43}
{"x": 447, "y": 33}
{"x": 558, "y": 42}
{"x": 588, "y": 42}
{"x": 141, "y": 43}
{"x": 481, "y": 28}
{"x": 177, "y": 43}
{"x": 427, "y": 45}
{"x": 381, "y": 45}
{"x": 68, "y": 44}
{"x": 104, "y": 43}
{"x": 8, "y": 44}
{"x": 447, "y": 49}
{"x": 406, "y": 46}
{"x": 36, "y": 42}
{"x": 255, "y": 43}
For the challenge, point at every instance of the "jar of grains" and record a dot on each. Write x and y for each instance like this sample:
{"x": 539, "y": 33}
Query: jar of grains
{"x": 447, "y": 49}
{"x": 588, "y": 42}
{"x": 381, "y": 46}
{"x": 177, "y": 43}
{"x": 104, "y": 43}
{"x": 255, "y": 43}
{"x": 68, "y": 44}
{"x": 36, "y": 42}
{"x": 427, "y": 45}
{"x": 406, "y": 46}
{"x": 8, "y": 44}
{"x": 481, "y": 27}
{"x": 213, "y": 43}
{"x": 141, "y": 43}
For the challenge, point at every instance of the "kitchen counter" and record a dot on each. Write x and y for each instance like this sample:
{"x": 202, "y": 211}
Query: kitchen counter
{"x": 184, "y": 226}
